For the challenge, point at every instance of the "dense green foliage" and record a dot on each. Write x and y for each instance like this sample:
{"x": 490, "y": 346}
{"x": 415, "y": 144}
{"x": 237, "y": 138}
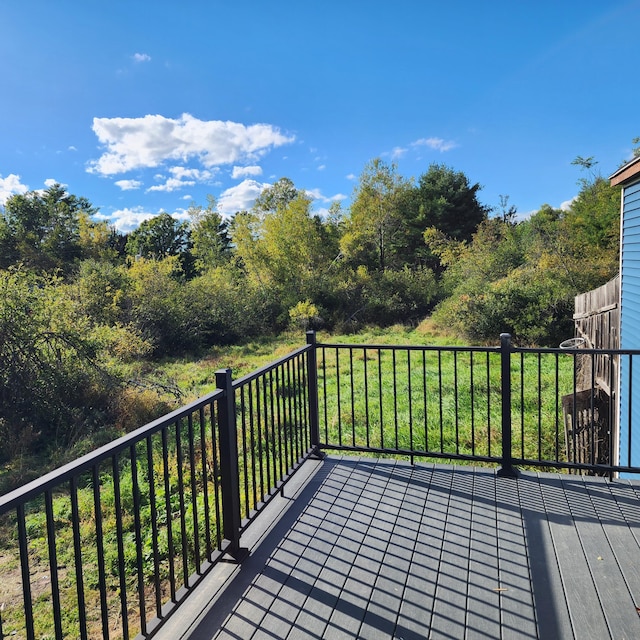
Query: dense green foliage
{"x": 522, "y": 278}
{"x": 82, "y": 303}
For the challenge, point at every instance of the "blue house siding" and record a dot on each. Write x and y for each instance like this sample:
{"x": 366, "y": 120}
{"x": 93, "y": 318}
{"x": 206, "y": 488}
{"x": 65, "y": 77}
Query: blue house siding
{"x": 630, "y": 323}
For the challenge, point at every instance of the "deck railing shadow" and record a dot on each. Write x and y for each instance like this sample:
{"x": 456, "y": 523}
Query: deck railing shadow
{"x": 110, "y": 544}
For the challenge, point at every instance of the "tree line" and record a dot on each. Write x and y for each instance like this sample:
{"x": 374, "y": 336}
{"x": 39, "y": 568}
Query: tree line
{"x": 81, "y": 300}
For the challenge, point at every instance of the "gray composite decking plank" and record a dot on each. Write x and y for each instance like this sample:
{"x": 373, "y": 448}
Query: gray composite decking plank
{"x": 380, "y": 618}
{"x": 624, "y": 531}
{"x": 414, "y": 620}
{"x": 345, "y": 620}
{"x": 587, "y": 619}
{"x": 552, "y": 614}
{"x": 617, "y": 603}
{"x": 287, "y": 578}
{"x": 516, "y": 601}
{"x": 406, "y": 531}
{"x": 322, "y": 599}
{"x": 483, "y": 611}
{"x": 450, "y": 601}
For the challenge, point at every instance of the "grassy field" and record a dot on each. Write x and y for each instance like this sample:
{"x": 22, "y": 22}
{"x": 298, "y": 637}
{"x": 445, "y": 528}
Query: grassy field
{"x": 446, "y": 402}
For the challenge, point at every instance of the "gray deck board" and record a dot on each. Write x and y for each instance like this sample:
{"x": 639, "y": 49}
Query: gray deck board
{"x": 483, "y": 611}
{"x": 612, "y": 590}
{"x": 383, "y": 550}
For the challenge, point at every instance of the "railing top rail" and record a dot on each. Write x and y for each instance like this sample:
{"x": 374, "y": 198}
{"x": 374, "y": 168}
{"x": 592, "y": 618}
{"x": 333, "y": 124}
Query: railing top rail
{"x": 72, "y": 469}
{"x": 407, "y": 347}
{"x": 250, "y": 377}
{"x": 579, "y": 351}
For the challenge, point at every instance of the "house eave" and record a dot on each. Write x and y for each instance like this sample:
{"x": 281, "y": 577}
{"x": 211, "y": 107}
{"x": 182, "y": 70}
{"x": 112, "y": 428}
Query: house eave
{"x": 626, "y": 173}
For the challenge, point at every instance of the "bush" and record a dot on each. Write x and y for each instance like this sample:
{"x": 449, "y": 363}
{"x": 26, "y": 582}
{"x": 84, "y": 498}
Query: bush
{"x": 397, "y": 296}
{"x": 531, "y": 310}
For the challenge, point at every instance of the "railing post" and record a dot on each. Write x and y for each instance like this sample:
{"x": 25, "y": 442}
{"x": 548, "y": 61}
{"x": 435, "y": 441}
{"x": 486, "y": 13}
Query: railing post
{"x": 229, "y": 472}
{"x": 507, "y": 470}
{"x": 312, "y": 394}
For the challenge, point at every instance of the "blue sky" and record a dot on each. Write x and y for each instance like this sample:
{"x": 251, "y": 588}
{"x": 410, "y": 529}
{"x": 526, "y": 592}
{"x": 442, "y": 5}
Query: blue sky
{"x": 145, "y": 107}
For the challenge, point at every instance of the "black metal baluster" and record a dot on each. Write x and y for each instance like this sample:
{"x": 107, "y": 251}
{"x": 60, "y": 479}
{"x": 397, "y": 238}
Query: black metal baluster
{"x": 243, "y": 434}
{"x": 77, "y": 552}
{"x": 169, "y": 509}
{"x": 539, "y": 406}
{"x": 53, "y": 563}
{"x": 488, "y": 404}
{"x": 122, "y": 574}
{"x": 194, "y": 493}
{"x": 592, "y": 408}
{"x": 353, "y": 399}
{"x": 557, "y": 416}
{"x": 23, "y": 545}
{"x": 410, "y": 394}
{"x": 630, "y": 425}
{"x": 102, "y": 579}
{"x": 307, "y": 399}
{"x": 135, "y": 487}
{"x": 183, "y": 523}
{"x": 252, "y": 449}
{"x": 338, "y": 398}
{"x": 473, "y": 402}
{"x": 380, "y": 399}
{"x": 282, "y": 431}
{"x": 394, "y": 365}
{"x": 205, "y": 482}
{"x": 324, "y": 395}
{"x": 456, "y": 400}
{"x": 424, "y": 400}
{"x": 267, "y": 443}
{"x": 440, "y": 401}
{"x": 522, "y": 384}
{"x": 154, "y": 527}
{"x": 216, "y": 473}
{"x": 275, "y": 440}
{"x": 293, "y": 449}
{"x": 366, "y": 398}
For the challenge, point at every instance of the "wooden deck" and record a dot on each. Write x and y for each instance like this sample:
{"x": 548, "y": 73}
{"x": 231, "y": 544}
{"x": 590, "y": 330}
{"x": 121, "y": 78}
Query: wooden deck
{"x": 362, "y": 548}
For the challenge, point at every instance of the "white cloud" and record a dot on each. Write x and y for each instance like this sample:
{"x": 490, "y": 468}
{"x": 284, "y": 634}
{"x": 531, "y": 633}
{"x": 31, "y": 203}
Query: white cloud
{"x": 241, "y": 172}
{"x": 10, "y": 186}
{"x": 128, "y": 185}
{"x": 127, "y": 219}
{"x": 316, "y": 194}
{"x": 352, "y": 176}
{"x": 134, "y": 143}
{"x": 566, "y": 205}
{"x": 141, "y": 57}
{"x": 72, "y": 148}
{"x": 240, "y": 197}
{"x": 435, "y": 143}
{"x": 172, "y": 184}
{"x": 182, "y": 177}
{"x": 49, "y": 182}
{"x": 398, "y": 152}
{"x": 322, "y": 167}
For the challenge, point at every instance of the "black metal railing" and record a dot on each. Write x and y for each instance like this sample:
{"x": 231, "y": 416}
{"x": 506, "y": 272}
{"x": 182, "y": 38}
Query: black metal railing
{"x": 513, "y": 406}
{"x": 109, "y": 545}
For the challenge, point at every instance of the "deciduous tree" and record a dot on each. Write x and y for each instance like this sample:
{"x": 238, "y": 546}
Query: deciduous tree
{"x": 374, "y": 232}
{"x": 42, "y": 229}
